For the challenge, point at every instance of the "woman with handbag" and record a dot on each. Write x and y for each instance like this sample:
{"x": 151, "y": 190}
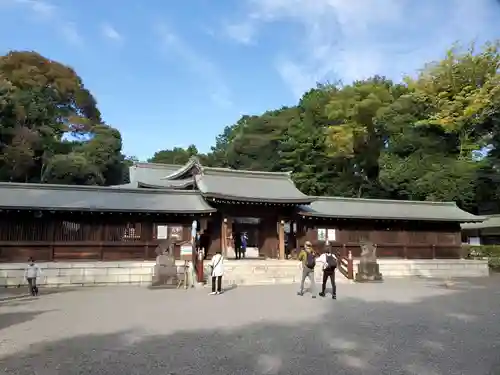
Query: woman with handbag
{"x": 217, "y": 265}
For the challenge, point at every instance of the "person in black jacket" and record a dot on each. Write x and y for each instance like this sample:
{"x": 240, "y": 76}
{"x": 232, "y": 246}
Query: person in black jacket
{"x": 329, "y": 261}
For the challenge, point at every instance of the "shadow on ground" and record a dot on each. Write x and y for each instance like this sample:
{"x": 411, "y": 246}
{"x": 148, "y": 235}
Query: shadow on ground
{"x": 456, "y": 332}
{"x": 10, "y": 319}
{"x": 8, "y": 294}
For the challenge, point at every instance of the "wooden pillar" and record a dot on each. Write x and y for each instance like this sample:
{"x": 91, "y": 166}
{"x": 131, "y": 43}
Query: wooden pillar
{"x": 223, "y": 236}
{"x": 281, "y": 239}
{"x": 52, "y": 238}
{"x": 203, "y": 223}
{"x": 147, "y": 235}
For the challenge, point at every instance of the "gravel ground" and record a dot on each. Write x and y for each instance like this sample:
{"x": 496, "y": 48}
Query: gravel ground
{"x": 399, "y": 327}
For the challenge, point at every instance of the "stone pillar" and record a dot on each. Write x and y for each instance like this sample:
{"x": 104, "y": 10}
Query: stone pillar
{"x": 281, "y": 239}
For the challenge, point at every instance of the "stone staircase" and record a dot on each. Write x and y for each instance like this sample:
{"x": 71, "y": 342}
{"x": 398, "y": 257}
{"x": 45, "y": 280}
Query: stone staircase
{"x": 265, "y": 272}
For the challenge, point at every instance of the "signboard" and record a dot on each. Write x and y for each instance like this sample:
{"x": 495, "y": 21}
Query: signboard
{"x": 161, "y": 232}
{"x": 474, "y": 241}
{"x": 321, "y": 234}
{"x": 331, "y": 234}
{"x": 176, "y": 233}
{"x": 186, "y": 251}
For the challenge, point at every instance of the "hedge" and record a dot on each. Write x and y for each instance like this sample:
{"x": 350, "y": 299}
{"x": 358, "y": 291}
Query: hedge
{"x": 492, "y": 252}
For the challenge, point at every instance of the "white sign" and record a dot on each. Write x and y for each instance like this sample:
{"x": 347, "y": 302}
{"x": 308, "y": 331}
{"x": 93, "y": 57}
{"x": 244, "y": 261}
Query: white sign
{"x": 322, "y": 234}
{"x": 331, "y": 234}
{"x": 186, "y": 251}
{"x": 194, "y": 227}
{"x": 474, "y": 241}
{"x": 161, "y": 232}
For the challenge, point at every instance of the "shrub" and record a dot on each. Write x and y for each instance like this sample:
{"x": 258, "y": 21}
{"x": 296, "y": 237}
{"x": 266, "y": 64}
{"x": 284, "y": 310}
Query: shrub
{"x": 491, "y": 252}
{"x": 483, "y": 251}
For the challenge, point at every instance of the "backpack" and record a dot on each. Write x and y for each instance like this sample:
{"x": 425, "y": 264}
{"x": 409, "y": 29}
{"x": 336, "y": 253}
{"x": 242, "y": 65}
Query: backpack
{"x": 310, "y": 260}
{"x": 331, "y": 262}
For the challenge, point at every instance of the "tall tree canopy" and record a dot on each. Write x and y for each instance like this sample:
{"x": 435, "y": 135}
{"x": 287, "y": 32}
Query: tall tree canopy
{"x": 435, "y": 136}
{"x": 50, "y": 127}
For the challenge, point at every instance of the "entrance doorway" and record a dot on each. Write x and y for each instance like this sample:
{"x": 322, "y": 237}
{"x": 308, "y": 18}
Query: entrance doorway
{"x": 248, "y": 226}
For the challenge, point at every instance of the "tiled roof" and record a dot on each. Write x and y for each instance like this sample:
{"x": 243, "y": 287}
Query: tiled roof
{"x": 227, "y": 184}
{"x": 354, "y": 208}
{"x": 93, "y": 198}
{"x": 491, "y": 221}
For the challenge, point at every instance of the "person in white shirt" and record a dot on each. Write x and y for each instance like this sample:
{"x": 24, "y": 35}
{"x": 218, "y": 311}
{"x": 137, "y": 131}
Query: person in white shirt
{"x": 31, "y": 273}
{"x": 217, "y": 265}
{"x": 329, "y": 261}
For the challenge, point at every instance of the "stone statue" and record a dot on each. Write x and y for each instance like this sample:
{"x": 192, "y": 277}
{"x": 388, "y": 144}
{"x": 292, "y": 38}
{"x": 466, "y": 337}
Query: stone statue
{"x": 368, "y": 268}
{"x": 368, "y": 251}
{"x": 165, "y": 270}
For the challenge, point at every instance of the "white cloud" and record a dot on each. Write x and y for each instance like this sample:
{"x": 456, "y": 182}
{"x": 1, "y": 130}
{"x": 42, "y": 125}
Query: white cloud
{"x": 109, "y": 32}
{"x": 204, "y": 68}
{"x": 340, "y": 39}
{"x": 50, "y": 14}
{"x": 242, "y": 32}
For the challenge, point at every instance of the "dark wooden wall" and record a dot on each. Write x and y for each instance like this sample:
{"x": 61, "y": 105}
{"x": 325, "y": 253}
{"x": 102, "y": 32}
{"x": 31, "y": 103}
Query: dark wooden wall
{"x": 74, "y": 236}
{"x": 77, "y": 236}
{"x": 411, "y": 240}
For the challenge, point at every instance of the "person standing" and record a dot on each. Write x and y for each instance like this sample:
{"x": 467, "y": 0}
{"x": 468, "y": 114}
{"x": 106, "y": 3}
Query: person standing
{"x": 31, "y": 273}
{"x": 307, "y": 260}
{"x": 217, "y": 265}
{"x": 329, "y": 261}
{"x": 244, "y": 242}
{"x": 237, "y": 245}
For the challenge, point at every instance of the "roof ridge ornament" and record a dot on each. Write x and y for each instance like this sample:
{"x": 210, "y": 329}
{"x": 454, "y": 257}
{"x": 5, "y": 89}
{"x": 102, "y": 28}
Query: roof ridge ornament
{"x": 193, "y": 162}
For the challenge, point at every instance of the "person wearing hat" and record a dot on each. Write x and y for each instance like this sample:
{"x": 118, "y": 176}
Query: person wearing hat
{"x": 307, "y": 260}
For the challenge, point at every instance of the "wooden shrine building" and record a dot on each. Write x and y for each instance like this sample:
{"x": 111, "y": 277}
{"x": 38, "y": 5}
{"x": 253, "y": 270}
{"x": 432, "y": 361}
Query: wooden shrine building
{"x": 126, "y": 222}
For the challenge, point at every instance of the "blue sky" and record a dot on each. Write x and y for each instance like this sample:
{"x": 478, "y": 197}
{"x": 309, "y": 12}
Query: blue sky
{"x": 171, "y": 73}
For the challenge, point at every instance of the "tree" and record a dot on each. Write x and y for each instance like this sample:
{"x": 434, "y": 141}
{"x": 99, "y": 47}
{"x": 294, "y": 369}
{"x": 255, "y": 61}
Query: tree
{"x": 177, "y": 155}
{"x": 42, "y": 102}
{"x": 356, "y": 133}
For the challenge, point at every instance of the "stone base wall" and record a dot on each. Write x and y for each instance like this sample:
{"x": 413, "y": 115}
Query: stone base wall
{"x": 243, "y": 272}
{"x": 439, "y": 268}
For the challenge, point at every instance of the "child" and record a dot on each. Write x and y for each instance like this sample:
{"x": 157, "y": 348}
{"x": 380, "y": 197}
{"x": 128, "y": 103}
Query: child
{"x": 31, "y": 273}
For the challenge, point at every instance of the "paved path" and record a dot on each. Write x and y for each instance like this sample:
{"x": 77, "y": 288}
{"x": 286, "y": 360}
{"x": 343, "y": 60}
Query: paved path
{"x": 407, "y": 327}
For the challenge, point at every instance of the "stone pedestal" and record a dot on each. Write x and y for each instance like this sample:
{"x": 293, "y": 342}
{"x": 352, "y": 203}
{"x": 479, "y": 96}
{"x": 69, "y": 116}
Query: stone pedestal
{"x": 165, "y": 272}
{"x": 368, "y": 272}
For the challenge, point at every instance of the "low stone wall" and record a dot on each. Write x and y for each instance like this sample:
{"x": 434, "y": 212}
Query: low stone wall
{"x": 79, "y": 273}
{"x": 243, "y": 272}
{"x": 439, "y": 268}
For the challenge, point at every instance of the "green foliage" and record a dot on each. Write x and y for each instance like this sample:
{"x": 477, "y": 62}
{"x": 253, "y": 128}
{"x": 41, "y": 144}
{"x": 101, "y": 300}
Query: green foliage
{"x": 484, "y": 251}
{"x": 41, "y": 101}
{"x": 177, "y": 155}
{"x": 492, "y": 252}
{"x": 425, "y": 139}
{"x": 421, "y": 140}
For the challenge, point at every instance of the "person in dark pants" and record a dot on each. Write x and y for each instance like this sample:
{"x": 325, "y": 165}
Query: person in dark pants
{"x": 244, "y": 242}
{"x": 329, "y": 261}
{"x": 204, "y": 243}
{"x": 217, "y": 272}
{"x": 31, "y": 273}
{"x": 237, "y": 245}
{"x": 307, "y": 259}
